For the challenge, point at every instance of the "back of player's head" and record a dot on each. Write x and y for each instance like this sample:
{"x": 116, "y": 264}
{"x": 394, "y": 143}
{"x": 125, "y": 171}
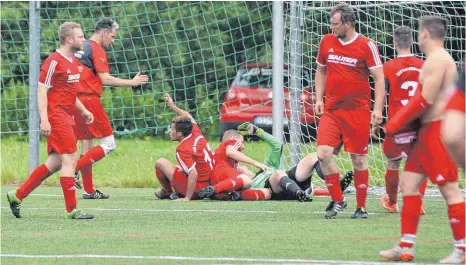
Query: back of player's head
{"x": 66, "y": 29}
{"x": 403, "y": 37}
{"x": 435, "y": 25}
{"x": 231, "y": 134}
{"x": 347, "y": 14}
{"x": 183, "y": 125}
{"x": 106, "y": 24}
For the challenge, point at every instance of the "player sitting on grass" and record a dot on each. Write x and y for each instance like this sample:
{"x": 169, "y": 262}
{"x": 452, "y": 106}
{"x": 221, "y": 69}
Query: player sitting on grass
{"x": 285, "y": 184}
{"x": 193, "y": 155}
{"x": 228, "y": 175}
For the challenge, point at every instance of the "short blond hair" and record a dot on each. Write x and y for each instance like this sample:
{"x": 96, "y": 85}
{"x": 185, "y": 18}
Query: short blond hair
{"x": 66, "y": 29}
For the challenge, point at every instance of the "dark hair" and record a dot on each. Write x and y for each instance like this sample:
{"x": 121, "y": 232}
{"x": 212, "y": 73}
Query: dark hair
{"x": 346, "y": 12}
{"x": 105, "y": 24}
{"x": 184, "y": 125}
{"x": 403, "y": 37}
{"x": 435, "y": 25}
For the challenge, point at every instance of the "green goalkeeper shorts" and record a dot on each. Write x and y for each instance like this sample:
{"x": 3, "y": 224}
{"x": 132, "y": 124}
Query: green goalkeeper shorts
{"x": 259, "y": 181}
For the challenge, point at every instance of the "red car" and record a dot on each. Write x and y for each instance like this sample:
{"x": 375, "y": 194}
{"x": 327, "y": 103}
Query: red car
{"x": 249, "y": 99}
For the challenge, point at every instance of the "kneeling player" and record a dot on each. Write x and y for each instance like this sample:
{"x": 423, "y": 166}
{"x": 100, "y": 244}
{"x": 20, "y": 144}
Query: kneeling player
{"x": 193, "y": 154}
{"x": 293, "y": 184}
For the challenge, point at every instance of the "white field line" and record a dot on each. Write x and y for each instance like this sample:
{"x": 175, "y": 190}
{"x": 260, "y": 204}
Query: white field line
{"x": 232, "y": 259}
{"x": 156, "y": 210}
{"x": 432, "y": 198}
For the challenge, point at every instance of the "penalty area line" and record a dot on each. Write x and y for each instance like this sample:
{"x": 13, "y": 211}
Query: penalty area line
{"x": 233, "y": 259}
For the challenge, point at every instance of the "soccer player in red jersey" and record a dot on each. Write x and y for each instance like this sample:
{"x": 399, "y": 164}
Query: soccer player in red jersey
{"x": 453, "y": 124}
{"x": 227, "y": 174}
{"x": 58, "y": 81}
{"x": 344, "y": 62}
{"x": 194, "y": 157}
{"x": 429, "y": 157}
{"x": 401, "y": 81}
{"x": 95, "y": 74}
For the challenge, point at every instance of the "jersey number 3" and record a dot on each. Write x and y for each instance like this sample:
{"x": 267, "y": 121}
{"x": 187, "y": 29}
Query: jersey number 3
{"x": 411, "y": 86}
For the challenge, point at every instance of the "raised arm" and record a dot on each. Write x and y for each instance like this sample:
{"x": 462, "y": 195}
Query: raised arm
{"x": 178, "y": 111}
{"x": 109, "y": 80}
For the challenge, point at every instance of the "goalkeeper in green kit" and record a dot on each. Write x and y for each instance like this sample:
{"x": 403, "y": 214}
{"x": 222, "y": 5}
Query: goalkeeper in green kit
{"x": 286, "y": 185}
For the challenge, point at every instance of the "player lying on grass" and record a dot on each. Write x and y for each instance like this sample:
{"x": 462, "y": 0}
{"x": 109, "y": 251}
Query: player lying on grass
{"x": 228, "y": 175}
{"x": 193, "y": 155}
{"x": 280, "y": 185}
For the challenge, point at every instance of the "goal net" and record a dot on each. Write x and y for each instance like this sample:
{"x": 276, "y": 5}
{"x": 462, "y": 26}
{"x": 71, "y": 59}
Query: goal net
{"x": 375, "y": 20}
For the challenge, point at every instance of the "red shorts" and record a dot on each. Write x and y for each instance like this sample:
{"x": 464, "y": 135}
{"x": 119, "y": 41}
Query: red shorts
{"x": 221, "y": 173}
{"x": 345, "y": 127}
{"x": 456, "y": 101}
{"x": 399, "y": 146}
{"x": 62, "y": 139}
{"x": 180, "y": 183}
{"x": 430, "y": 158}
{"x": 100, "y": 128}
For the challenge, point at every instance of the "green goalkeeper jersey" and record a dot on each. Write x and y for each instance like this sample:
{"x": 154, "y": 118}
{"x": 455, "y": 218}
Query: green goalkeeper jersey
{"x": 272, "y": 160}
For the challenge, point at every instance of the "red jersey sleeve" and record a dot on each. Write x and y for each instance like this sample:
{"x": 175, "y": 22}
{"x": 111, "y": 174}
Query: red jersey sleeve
{"x": 372, "y": 56}
{"x": 47, "y": 73}
{"x": 322, "y": 54}
{"x": 99, "y": 58}
{"x": 185, "y": 160}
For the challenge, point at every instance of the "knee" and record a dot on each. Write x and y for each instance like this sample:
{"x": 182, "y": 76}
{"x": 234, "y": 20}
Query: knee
{"x": 324, "y": 153}
{"x": 108, "y": 144}
{"x": 393, "y": 164}
{"x": 451, "y": 192}
{"x": 247, "y": 182}
{"x": 160, "y": 163}
{"x": 359, "y": 162}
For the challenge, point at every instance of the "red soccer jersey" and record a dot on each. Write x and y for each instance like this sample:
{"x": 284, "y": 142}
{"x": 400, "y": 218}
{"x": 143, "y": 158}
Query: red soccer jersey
{"x": 194, "y": 151}
{"x": 348, "y": 64}
{"x": 94, "y": 61}
{"x": 402, "y": 74}
{"x": 221, "y": 158}
{"x": 61, "y": 76}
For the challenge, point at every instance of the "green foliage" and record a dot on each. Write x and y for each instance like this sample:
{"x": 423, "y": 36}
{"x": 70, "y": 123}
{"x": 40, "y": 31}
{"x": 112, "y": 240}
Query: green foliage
{"x": 189, "y": 49}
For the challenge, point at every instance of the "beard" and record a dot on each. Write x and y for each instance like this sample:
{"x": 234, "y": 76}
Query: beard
{"x": 341, "y": 36}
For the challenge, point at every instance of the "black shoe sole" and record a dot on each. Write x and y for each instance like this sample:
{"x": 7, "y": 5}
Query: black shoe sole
{"x": 206, "y": 193}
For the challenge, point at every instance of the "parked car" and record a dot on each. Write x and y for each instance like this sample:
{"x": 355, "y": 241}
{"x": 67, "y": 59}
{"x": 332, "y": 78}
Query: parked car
{"x": 249, "y": 99}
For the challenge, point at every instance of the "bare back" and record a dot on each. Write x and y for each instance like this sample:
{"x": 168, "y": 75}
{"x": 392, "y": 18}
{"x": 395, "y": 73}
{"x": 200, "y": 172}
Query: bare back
{"x": 438, "y": 75}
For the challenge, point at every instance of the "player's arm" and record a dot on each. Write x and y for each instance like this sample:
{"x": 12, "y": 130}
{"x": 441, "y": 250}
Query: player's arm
{"x": 84, "y": 112}
{"x": 321, "y": 78}
{"x": 379, "y": 100}
{"x": 246, "y": 171}
{"x": 432, "y": 76}
{"x": 178, "y": 111}
{"x": 242, "y": 158}
{"x": 42, "y": 101}
{"x": 192, "y": 181}
{"x": 137, "y": 80}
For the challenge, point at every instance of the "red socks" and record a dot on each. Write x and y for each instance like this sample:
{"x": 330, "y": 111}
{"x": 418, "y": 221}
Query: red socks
{"x": 252, "y": 195}
{"x": 229, "y": 185}
{"x": 35, "y": 179}
{"x": 392, "y": 179}
{"x": 95, "y": 154}
{"x": 86, "y": 174}
{"x": 69, "y": 192}
{"x": 457, "y": 222}
{"x": 410, "y": 214}
{"x": 361, "y": 182}
{"x": 333, "y": 185}
{"x": 163, "y": 180}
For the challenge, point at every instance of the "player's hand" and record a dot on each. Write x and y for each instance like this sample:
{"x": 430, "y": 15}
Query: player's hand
{"x": 45, "y": 128}
{"x": 181, "y": 200}
{"x": 319, "y": 107}
{"x": 376, "y": 118}
{"x": 88, "y": 116}
{"x": 261, "y": 166}
{"x": 139, "y": 79}
{"x": 168, "y": 99}
{"x": 375, "y": 132}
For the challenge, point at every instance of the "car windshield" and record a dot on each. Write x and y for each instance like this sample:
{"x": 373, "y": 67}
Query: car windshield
{"x": 261, "y": 77}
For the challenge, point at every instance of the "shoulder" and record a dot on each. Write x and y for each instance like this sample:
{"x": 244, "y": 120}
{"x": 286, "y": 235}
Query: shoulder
{"x": 327, "y": 38}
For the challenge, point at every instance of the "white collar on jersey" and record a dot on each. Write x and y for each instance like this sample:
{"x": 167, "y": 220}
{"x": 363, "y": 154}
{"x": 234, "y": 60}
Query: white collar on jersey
{"x": 405, "y": 55}
{"x": 67, "y": 58}
{"x": 350, "y": 41}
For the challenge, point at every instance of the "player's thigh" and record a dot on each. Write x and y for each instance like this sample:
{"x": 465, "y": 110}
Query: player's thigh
{"x": 451, "y": 192}
{"x": 305, "y": 167}
{"x": 68, "y": 164}
{"x": 355, "y": 127}
{"x": 328, "y": 130}
{"x": 223, "y": 173}
{"x": 391, "y": 150}
{"x": 62, "y": 139}
{"x": 167, "y": 167}
{"x": 53, "y": 162}
{"x": 274, "y": 181}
